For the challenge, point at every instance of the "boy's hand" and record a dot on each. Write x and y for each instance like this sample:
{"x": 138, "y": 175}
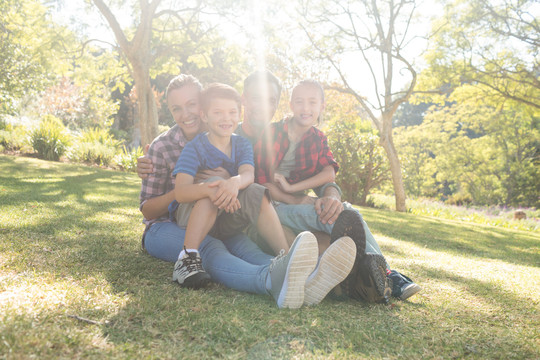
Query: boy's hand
{"x": 226, "y": 194}
{"x": 283, "y": 183}
{"x": 144, "y": 164}
{"x": 207, "y": 174}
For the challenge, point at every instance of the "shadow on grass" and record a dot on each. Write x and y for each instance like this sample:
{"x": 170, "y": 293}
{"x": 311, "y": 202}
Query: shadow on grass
{"x": 517, "y": 247}
{"x": 97, "y": 235}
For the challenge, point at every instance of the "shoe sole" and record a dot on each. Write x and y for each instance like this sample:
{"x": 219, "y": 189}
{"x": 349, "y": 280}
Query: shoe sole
{"x": 350, "y": 224}
{"x": 303, "y": 261}
{"x": 377, "y": 272}
{"x": 334, "y": 266}
{"x": 410, "y": 291}
{"x": 196, "y": 281}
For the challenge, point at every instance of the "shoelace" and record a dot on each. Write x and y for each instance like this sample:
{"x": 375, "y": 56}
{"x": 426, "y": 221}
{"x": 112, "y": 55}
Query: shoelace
{"x": 278, "y": 259}
{"x": 193, "y": 262}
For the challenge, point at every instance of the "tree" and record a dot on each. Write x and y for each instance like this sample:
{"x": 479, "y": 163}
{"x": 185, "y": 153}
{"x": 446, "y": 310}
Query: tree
{"x": 30, "y": 51}
{"x": 354, "y": 145}
{"x": 364, "y": 28}
{"x": 492, "y": 45}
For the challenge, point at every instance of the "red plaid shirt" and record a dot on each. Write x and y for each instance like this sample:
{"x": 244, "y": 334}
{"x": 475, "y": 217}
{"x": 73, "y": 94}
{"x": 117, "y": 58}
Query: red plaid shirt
{"x": 164, "y": 153}
{"x": 312, "y": 153}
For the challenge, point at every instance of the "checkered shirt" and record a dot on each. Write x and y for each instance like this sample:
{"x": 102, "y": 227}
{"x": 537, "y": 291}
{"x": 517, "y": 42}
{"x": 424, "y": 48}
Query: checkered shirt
{"x": 164, "y": 152}
{"x": 312, "y": 153}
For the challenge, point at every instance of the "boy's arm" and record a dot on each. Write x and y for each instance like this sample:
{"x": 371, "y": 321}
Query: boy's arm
{"x": 327, "y": 175}
{"x": 186, "y": 191}
{"x": 227, "y": 191}
{"x": 279, "y": 195}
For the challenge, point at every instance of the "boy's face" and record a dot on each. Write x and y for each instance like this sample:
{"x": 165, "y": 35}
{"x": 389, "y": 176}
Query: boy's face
{"x": 306, "y": 105}
{"x": 183, "y": 103}
{"x": 222, "y": 117}
{"x": 260, "y": 104}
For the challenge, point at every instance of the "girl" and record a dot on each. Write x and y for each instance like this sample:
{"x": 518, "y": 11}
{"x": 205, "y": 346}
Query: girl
{"x": 293, "y": 156}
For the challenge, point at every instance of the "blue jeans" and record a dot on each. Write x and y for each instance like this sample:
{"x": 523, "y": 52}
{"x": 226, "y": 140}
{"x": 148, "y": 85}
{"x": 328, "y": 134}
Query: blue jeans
{"x": 236, "y": 262}
{"x": 304, "y": 217}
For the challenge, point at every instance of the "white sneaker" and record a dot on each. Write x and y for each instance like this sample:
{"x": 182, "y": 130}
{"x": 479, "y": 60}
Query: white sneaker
{"x": 189, "y": 272}
{"x": 288, "y": 273}
{"x": 334, "y": 266}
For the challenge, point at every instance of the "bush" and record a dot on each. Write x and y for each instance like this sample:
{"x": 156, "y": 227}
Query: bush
{"x": 127, "y": 160}
{"x": 14, "y": 138}
{"x": 101, "y": 136}
{"x": 95, "y": 146}
{"x": 93, "y": 153}
{"x": 50, "y": 140}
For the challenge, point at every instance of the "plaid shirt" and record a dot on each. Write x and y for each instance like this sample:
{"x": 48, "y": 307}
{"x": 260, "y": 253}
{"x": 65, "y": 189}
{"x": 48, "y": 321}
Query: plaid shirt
{"x": 312, "y": 153}
{"x": 164, "y": 153}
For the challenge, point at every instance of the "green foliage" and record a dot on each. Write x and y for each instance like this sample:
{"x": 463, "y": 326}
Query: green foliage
{"x": 475, "y": 149}
{"x": 50, "y": 139}
{"x": 492, "y": 45}
{"x": 14, "y": 138}
{"x": 127, "y": 159}
{"x": 355, "y": 146}
{"x": 95, "y": 146}
{"x": 30, "y": 47}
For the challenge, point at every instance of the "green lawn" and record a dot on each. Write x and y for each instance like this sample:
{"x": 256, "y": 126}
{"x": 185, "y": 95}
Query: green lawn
{"x": 75, "y": 284}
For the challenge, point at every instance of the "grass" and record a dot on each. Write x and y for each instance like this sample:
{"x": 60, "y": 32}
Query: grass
{"x": 486, "y": 215}
{"x": 75, "y": 284}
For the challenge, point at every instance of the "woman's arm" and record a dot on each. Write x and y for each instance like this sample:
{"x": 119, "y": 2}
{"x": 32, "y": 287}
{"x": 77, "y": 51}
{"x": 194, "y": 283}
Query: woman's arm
{"x": 157, "y": 206}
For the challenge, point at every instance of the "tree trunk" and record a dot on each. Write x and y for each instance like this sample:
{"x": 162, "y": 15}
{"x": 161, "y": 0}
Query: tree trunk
{"x": 395, "y": 169}
{"x": 148, "y": 113}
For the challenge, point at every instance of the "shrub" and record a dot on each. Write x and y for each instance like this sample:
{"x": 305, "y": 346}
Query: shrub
{"x": 95, "y": 146}
{"x": 127, "y": 160}
{"x": 50, "y": 139}
{"x": 14, "y": 138}
{"x": 93, "y": 153}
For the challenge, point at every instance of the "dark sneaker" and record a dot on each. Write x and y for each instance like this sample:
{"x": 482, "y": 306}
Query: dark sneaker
{"x": 288, "y": 273}
{"x": 189, "y": 272}
{"x": 349, "y": 223}
{"x": 367, "y": 280}
{"x": 333, "y": 267}
{"x": 402, "y": 286}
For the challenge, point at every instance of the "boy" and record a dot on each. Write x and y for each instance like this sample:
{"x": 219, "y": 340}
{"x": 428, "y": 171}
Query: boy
{"x": 223, "y": 206}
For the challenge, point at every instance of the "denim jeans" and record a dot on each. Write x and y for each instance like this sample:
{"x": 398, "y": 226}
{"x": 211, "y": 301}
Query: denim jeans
{"x": 236, "y": 262}
{"x": 304, "y": 217}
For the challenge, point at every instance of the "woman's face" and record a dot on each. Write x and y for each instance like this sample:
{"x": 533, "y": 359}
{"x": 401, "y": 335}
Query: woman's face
{"x": 306, "y": 104}
{"x": 183, "y": 103}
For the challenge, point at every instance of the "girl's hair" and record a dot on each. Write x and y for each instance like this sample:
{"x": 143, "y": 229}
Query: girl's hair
{"x": 219, "y": 91}
{"x": 183, "y": 80}
{"x": 312, "y": 83}
{"x": 315, "y": 84}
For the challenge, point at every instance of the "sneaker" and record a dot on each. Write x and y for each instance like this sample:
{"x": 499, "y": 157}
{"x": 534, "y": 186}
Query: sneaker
{"x": 288, "y": 273}
{"x": 402, "y": 286}
{"x": 367, "y": 280}
{"x": 189, "y": 272}
{"x": 334, "y": 266}
{"x": 349, "y": 223}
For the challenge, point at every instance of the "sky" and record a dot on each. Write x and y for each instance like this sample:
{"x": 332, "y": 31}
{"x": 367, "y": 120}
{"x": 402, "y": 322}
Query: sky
{"x": 87, "y": 19}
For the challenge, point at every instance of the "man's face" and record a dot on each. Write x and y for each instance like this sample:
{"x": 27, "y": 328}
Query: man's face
{"x": 260, "y": 104}
{"x": 222, "y": 117}
{"x": 183, "y": 103}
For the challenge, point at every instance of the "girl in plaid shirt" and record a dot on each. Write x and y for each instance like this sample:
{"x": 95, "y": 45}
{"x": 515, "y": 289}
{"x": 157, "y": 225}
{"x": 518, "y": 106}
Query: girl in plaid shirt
{"x": 293, "y": 156}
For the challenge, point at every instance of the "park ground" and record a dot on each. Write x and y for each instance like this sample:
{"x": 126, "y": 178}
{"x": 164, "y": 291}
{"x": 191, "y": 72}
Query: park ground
{"x": 74, "y": 283}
